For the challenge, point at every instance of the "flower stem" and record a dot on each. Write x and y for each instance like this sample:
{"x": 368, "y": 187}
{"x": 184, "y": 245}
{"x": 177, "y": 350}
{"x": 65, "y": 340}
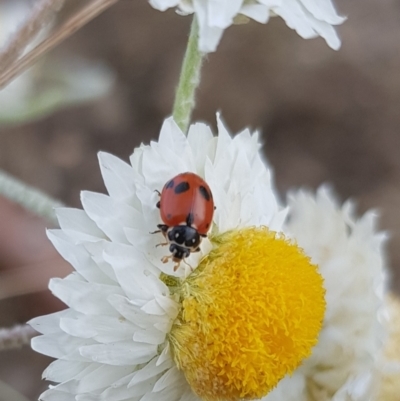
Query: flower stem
{"x": 16, "y": 337}
{"x": 189, "y": 80}
{"x": 28, "y": 197}
{"x": 10, "y": 394}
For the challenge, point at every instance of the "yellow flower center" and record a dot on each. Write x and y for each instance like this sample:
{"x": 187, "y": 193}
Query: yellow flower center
{"x": 251, "y": 312}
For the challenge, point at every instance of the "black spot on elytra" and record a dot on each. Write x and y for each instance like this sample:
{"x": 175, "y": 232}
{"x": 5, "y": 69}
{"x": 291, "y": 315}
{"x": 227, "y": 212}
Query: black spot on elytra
{"x": 169, "y": 216}
{"x": 182, "y": 187}
{"x": 204, "y": 193}
{"x": 170, "y": 184}
{"x": 207, "y": 225}
{"x": 189, "y": 219}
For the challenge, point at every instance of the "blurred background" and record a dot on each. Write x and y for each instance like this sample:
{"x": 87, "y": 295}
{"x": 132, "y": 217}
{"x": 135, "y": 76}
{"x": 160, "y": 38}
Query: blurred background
{"x": 324, "y": 116}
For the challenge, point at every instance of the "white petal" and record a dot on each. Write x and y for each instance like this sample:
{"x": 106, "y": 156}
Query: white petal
{"x": 165, "y": 355}
{"x": 209, "y": 38}
{"x": 152, "y": 307}
{"x": 119, "y": 353}
{"x": 224, "y": 140}
{"x": 163, "y": 5}
{"x": 305, "y": 24}
{"x": 257, "y": 12}
{"x": 97, "y": 378}
{"x": 96, "y": 250}
{"x": 295, "y": 18}
{"x": 54, "y": 395}
{"x": 170, "y": 306}
{"x": 202, "y": 144}
{"x": 50, "y": 323}
{"x": 168, "y": 379}
{"x": 61, "y": 370}
{"x": 149, "y": 336}
{"x": 169, "y": 393}
{"x": 160, "y": 164}
{"x": 221, "y": 13}
{"x": 133, "y": 272}
{"x": 171, "y": 136}
{"x": 78, "y": 225}
{"x": 120, "y": 392}
{"x": 78, "y": 257}
{"x": 118, "y": 176}
{"x": 110, "y": 215}
{"x": 149, "y": 371}
{"x": 104, "y": 329}
{"x": 88, "y": 298}
{"x": 59, "y": 345}
{"x": 323, "y": 10}
{"x": 133, "y": 312}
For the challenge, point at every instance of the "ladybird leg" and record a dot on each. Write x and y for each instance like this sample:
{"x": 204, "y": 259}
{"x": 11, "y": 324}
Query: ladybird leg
{"x": 162, "y": 244}
{"x": 158, "y": 204}
{"x": 163, "y": 228}
{"x": 176, "y": 267}
{"x": 165, "y": 259}
{"x": 163, "y": 233}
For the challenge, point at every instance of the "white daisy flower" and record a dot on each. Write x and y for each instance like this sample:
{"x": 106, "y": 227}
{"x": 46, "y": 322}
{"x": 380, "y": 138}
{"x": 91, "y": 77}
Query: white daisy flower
{"x": 309, "y": 18}
{"x": 239, "y": 316}
{"x": 350, "y": 254}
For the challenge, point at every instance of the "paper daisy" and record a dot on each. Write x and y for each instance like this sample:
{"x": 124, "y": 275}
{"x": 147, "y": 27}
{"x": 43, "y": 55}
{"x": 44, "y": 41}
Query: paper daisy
{"x": 347, "y": 362}
{"x": 240, "y": 316}
{"x": 309, "y": 18}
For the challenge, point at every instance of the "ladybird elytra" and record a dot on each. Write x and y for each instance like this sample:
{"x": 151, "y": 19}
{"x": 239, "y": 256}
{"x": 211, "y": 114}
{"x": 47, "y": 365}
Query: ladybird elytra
{"x": 186, "y": 208}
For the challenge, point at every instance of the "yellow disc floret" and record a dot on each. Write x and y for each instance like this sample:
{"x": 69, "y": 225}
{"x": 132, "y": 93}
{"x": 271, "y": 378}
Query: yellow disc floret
{"x": 251, "y": 312}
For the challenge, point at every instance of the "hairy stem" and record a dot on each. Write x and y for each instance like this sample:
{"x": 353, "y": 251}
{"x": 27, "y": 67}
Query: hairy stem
{"x": 16, "y": 337}
{"x": 189, "y": 80}
{"x": 28, "y": 197}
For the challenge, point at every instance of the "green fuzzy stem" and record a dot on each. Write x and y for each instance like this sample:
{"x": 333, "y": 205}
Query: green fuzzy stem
{"x": 189, "y": 80}
{"x": 29, "y": 198}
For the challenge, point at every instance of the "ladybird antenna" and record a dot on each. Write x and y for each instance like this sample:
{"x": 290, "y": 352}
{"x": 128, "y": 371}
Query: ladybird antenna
{"x": 191, "y": 268}
{"x": 12, "y": 63}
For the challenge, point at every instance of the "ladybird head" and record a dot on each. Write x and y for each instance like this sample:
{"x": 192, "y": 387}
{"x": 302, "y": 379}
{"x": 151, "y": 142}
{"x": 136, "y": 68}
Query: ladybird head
{"x": 185, "y": 237}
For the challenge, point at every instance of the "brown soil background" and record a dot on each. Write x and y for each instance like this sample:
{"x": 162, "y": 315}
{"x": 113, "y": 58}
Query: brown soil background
{"x": 324, "y": 116}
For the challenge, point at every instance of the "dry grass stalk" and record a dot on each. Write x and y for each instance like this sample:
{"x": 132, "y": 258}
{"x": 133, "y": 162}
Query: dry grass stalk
{"x": 84, "y": 16}
{"x": 41, "y": 15}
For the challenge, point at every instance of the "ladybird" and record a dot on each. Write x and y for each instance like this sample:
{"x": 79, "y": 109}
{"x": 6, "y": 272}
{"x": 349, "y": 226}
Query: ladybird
{"x": 186, "y": 209}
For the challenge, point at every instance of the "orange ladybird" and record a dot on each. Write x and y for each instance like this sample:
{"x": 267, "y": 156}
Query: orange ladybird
{"x": 186, "y": 209}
